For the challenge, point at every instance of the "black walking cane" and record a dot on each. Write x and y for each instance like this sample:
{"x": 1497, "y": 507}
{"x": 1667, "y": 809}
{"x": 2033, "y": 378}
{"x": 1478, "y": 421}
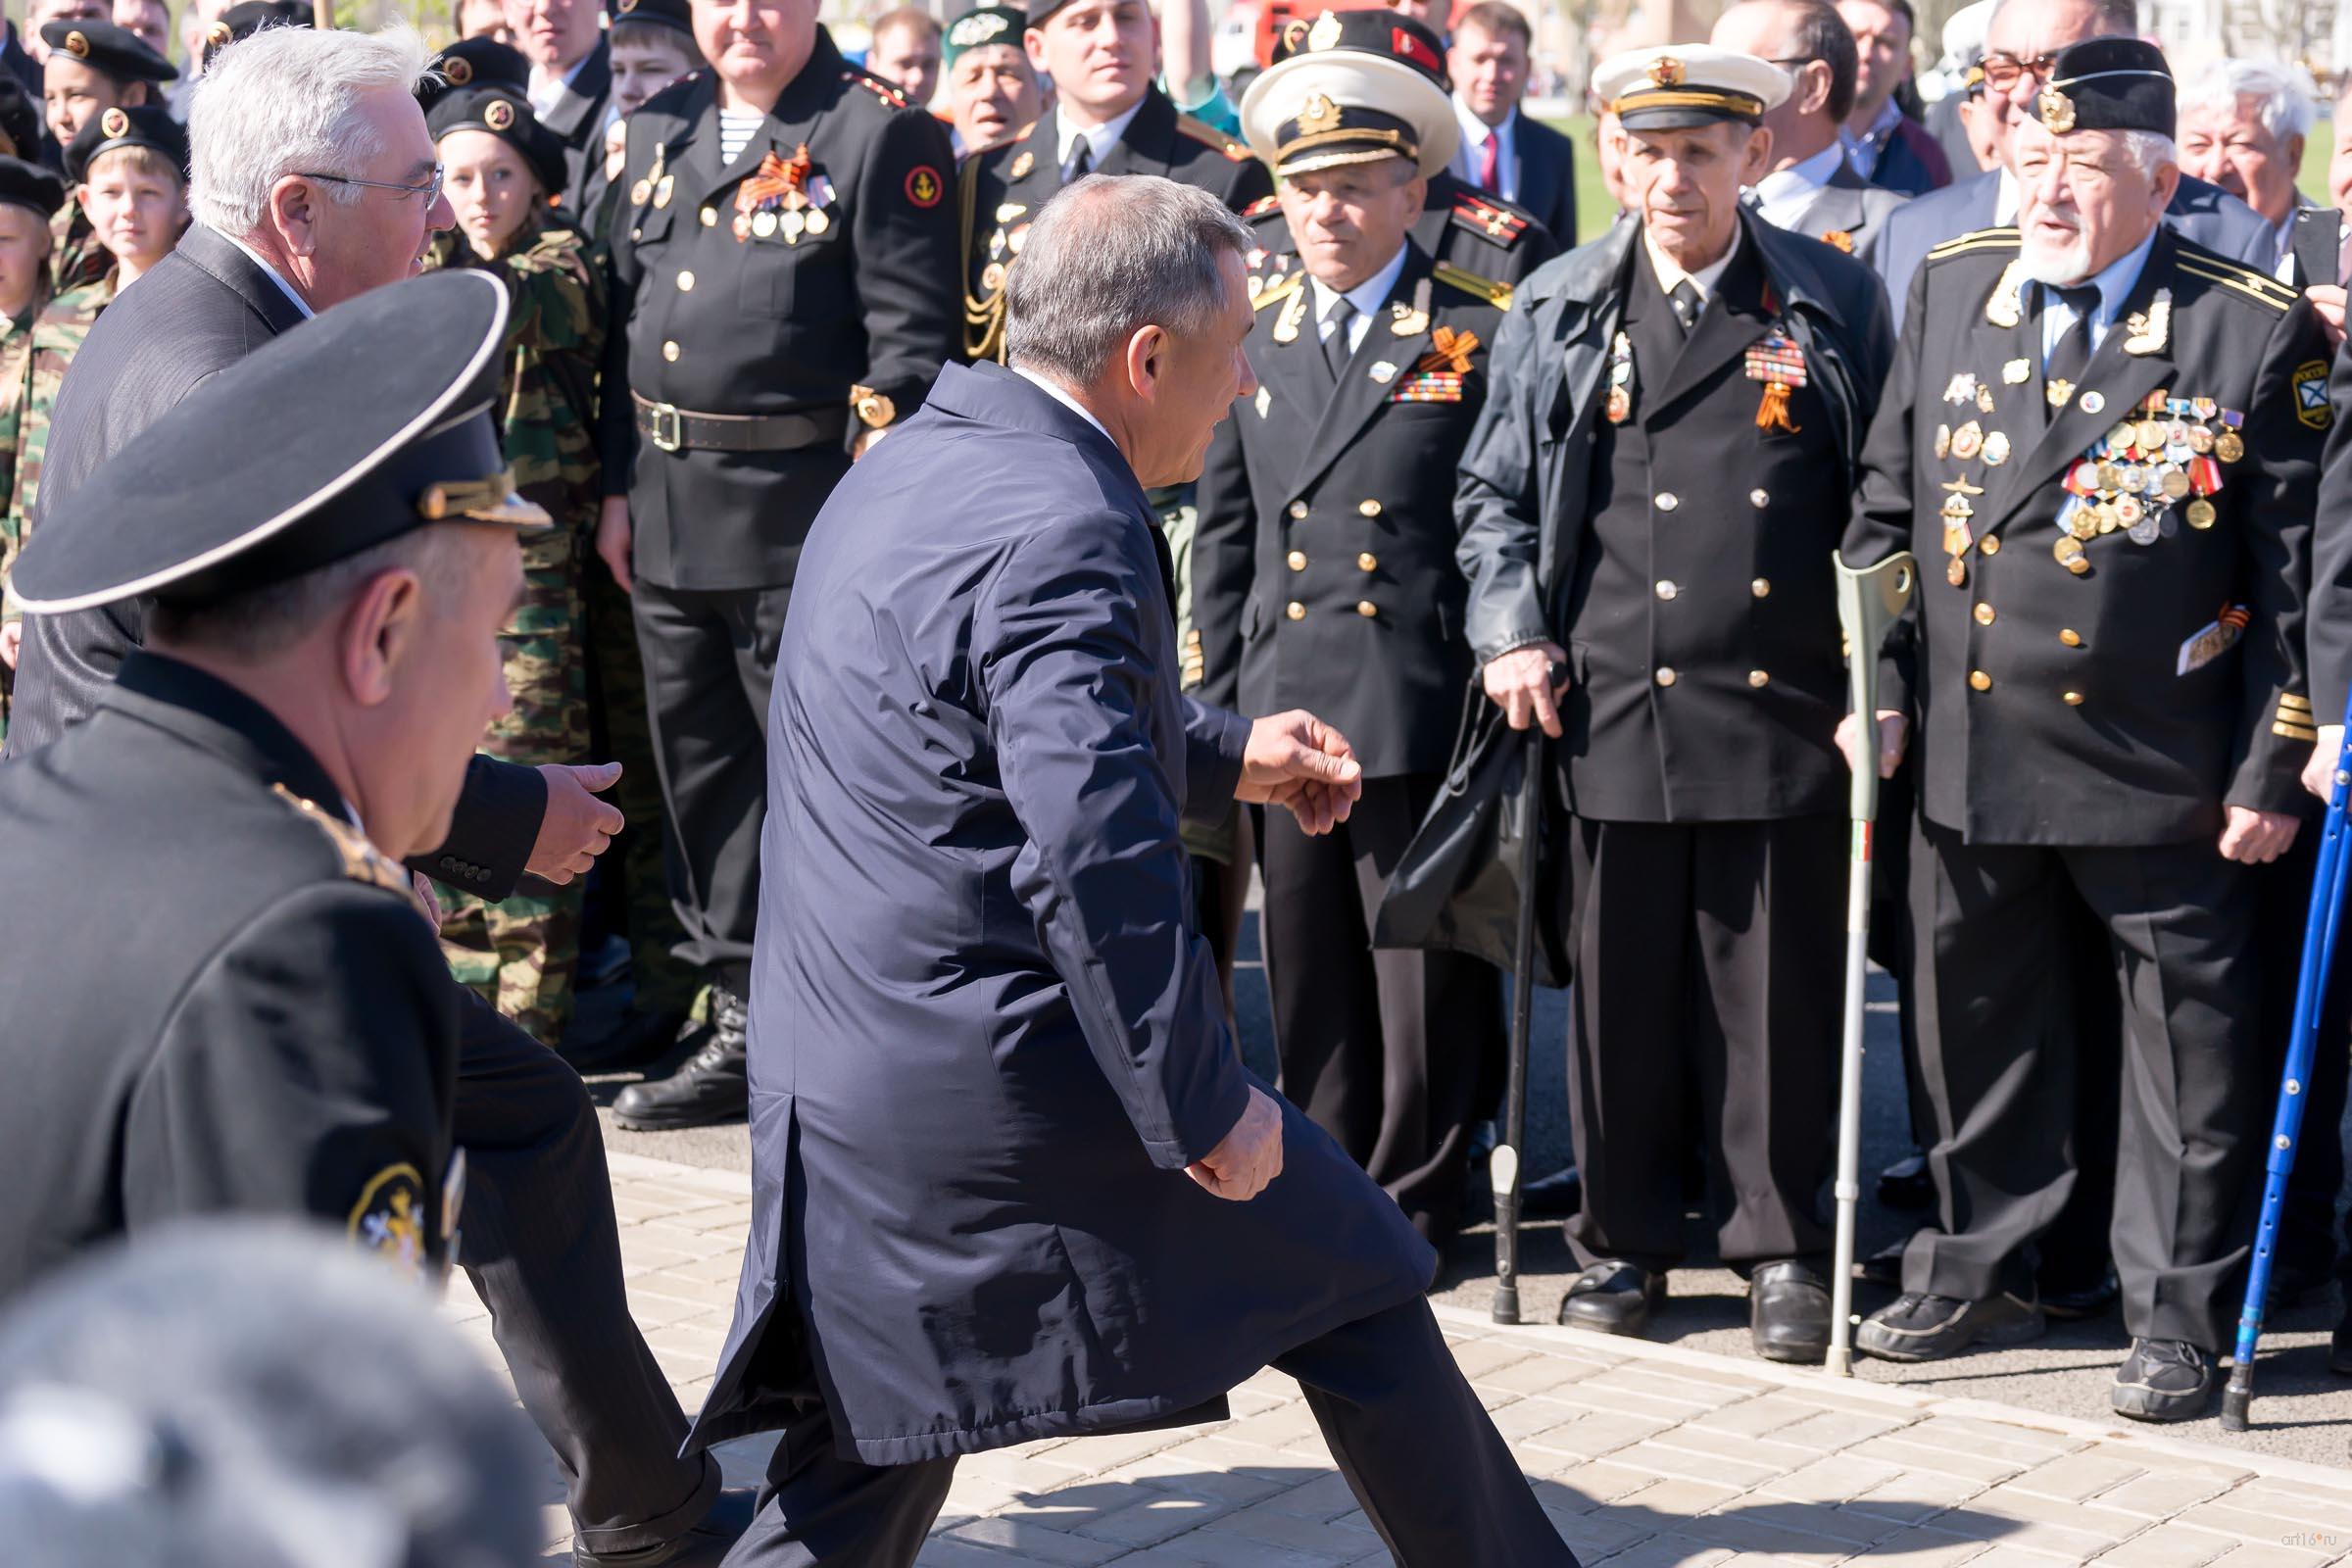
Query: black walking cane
{"x": 2286, "y": 1128}
{"x": 1504, "y": 1165}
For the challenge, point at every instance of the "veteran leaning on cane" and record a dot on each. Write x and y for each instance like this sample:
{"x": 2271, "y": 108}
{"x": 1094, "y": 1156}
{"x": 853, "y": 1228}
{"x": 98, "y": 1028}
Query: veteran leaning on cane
{"x": 1640, "y": 504}
{"x": 2109, "y": 437}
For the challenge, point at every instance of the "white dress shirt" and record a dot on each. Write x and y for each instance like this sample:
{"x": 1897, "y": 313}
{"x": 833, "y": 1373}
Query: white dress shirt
{"x": 1053, "y": 390}
{"x": 1472, "y": 158}
{"x": 274, "y": 274}
{"x": 1704, "y": 279}
{"x": 1367, "y": 297}
{"x": 1784, "y": 196}
{"x": 546, "y": 91}
{"x": 1099, "y": 139}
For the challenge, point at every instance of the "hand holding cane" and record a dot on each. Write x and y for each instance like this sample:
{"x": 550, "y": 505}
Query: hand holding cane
{"x": 1868, "y": 601}
{"x": 1504, "y": 1165}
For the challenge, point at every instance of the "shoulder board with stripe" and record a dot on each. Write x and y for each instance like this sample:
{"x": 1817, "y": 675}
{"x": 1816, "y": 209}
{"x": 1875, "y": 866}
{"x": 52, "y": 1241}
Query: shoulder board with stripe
{"x": 2245, "y": 280}
{"x": 878, "y": 87}
{"x": 1282, "y": 289}
{"x": 1208, "y": 136}
{"x": 362, "y": 860}
{"x": 1495, "y": 294}
{"x": 1496, "y": 223}
{"x": 1261, "y": 207}
{"x": 1983, "y": 239}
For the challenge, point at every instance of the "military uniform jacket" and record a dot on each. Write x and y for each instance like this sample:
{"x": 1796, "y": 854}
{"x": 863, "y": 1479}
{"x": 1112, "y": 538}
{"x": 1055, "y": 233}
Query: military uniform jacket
{"x": 1468, "y": 230}
{"x": 1323, "y": 571}
{"x": 1680, "y": 554}
{"x": 787, "y": 318}
{"x": 2124, "y": 698}
{"x": 216, "y": 997}
{"x": 1003, "y": 188}
{"x": 578, "y": 117}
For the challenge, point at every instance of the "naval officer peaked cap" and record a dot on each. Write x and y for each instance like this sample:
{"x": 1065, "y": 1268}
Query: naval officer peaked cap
{"x": 381, "y": 427}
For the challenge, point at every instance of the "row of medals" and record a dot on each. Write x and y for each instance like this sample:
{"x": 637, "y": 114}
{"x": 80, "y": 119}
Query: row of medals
{"x": 2129, "y": 481}
{"x": 797, "y": 216}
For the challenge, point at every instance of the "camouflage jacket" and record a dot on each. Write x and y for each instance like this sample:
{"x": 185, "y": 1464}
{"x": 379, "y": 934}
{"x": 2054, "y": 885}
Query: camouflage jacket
{"x": 75, "y": 258}
{"x": 33, "y": 362}
{"x": 548, "y": 392}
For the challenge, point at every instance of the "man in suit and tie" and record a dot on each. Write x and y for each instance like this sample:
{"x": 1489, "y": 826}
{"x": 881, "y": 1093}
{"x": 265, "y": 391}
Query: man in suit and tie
{"x": 571, "y": 78}
{"x": 1505, "y": 152}
{"x": 1886, "y": 146}
{"x": 2019, "y": 45}
{"x": 1812, "y": 189}
{"x": 272, "y": 244}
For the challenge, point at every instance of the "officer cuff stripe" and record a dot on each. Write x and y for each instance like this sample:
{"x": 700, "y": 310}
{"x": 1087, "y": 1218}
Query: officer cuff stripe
{"x": 2294, "y": 732}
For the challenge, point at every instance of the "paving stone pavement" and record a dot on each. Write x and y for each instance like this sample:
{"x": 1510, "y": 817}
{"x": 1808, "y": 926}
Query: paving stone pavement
{"x": 1646, "y": 1455}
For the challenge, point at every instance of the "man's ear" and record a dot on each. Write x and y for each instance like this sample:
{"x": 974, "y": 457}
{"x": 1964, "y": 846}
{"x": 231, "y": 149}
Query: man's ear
{"x": 1416, "y": 199}
{"x": 1758, "y": 162}
{"x": 137, "y": 95}
{"x": 1147, "y": 361}
{"x": 292, "y": 211}
{"x": 2163, "y": 188}
{"x": 381, "y": 628}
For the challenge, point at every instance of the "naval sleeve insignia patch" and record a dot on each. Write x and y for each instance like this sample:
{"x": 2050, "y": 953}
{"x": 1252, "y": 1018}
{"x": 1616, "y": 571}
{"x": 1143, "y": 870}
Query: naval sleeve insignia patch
{"x": 2311, "y": 395}
{"x": 389, "y": 1218}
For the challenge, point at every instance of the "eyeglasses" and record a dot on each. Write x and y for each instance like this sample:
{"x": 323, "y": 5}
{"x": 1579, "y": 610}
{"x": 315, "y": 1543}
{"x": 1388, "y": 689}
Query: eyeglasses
{"x": 430, "y": 190}
{"x": 2003, "y": 71}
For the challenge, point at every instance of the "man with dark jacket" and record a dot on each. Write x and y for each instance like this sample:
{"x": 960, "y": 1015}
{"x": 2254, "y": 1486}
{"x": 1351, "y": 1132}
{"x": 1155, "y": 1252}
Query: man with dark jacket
{"x": 1505, "y": 152}
{"x": 1650, "y": 582}
{"x": 272, "y": 246}
{"x": 2024, "y": 36}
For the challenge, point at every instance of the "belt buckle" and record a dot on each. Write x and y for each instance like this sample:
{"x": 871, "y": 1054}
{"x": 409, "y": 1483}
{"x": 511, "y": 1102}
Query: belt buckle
{"x": 668, "y": 433}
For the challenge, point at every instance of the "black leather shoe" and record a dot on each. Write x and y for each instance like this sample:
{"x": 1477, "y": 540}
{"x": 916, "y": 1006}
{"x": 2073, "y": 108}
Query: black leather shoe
{"x": 1788, "y": 1313}
{"x": 2073, "y": 1303}
{"x": 1884, "y": 1266}
{"x": 714, "y": 1086}
{"x": 1553, "y": 1197}
{"x": 705, "y": 1543}
{"x": 1920, "y": 1327}
{"x": 2164, "y": 1380}
{"x": 1906, "y": 1184}
{"x": 1612, "y": 1299}
{"x": 2339, "y": 1348}
{"x": 635, "y": 1039}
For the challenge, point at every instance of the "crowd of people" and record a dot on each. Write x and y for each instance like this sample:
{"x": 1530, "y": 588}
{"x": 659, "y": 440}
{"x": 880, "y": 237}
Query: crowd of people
{"x": 880, "y": 486}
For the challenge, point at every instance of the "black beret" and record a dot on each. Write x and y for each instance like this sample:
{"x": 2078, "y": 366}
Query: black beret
{"x": 20, "y": 116}
{"x": 196, "y": 511}
{"x": 1376, "y": 31}
{"x": 28, "y": 184}
{"x": 249, "y": 16}
{"x": 676, "y": 14}
{"x": 2108, "y": 85}
{"x": 506, "y": 116}
{"x": 104, "y": 48}
{"x": 473, "y": 63}
{"x": 144, "y": 125}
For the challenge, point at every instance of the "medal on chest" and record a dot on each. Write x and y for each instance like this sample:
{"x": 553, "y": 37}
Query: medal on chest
{"x": 2159, "y": 466}
{"x": 1780, "y": 365}
{"x": 1621, "y": 380}
{"x": 779, "y": 198}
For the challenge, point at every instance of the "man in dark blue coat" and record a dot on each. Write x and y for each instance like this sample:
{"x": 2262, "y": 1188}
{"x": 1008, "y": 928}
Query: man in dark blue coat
{"x": 2018, "y": 49}
{"x": 1011, "y": 1179}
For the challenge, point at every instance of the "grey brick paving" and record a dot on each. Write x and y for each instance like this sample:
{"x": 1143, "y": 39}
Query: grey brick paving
{"x": 1645, "y": 1456}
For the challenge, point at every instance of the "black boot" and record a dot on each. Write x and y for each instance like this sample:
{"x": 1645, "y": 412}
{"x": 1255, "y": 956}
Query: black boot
{"x": 713, "y": 1087}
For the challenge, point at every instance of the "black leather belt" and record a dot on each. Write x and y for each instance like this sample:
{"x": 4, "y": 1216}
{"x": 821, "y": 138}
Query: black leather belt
{"x": 672, "y": 429}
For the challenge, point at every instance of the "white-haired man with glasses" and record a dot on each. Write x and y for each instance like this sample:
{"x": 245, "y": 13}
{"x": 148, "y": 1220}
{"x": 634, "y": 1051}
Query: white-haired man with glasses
{"x": 313, "y": 181}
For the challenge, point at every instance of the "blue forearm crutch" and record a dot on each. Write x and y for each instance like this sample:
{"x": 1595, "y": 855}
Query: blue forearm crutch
{"x": 2310, "y": 995}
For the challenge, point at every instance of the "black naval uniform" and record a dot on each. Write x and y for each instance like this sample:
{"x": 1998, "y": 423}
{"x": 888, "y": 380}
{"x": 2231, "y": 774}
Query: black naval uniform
{"x": 1323, "y": 578}
{"x": 1482, "y": 236}
{"x": 759, "y": 329}
{"x": 286, "y": 1040}
{"x": 1673, "y": 540}
{"x": 1002, "y": 188}
{"x": 577, "y": 116}
{"x": 2087, "y": 698}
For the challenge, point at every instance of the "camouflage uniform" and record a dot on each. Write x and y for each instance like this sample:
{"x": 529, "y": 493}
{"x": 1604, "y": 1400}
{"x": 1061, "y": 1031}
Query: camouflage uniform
{"x": 32, "y": 365}
{"x": 521, "y": 953}
{"x": 15, "y": 382}
{"x": 75, "y": 258}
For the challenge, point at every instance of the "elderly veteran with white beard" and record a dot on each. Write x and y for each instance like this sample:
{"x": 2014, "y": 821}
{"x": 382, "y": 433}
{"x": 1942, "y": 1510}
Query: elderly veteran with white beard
{"x": 2102, "y": 442}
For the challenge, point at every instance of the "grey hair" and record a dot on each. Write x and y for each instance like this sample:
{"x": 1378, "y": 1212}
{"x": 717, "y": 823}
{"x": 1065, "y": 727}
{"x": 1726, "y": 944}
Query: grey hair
{"x": 288, "y": 101}
{"x": 1111, "y": 256}
{"x": 2287, "y": 94}
{"x": 263, "y": 622}
{"x": 2151, "y": 149}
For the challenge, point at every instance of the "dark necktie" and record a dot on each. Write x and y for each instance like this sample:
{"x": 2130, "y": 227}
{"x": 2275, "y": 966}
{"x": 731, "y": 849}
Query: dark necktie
{"x": 1081, "y": 164}
{"x": 2072, "y": 355}
{"x": 1687, "y": 304}
{"x": 1336, "y": 352}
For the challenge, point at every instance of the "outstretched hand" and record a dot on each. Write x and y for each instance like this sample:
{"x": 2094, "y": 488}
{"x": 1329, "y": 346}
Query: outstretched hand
{"x": 1294, "y": 760}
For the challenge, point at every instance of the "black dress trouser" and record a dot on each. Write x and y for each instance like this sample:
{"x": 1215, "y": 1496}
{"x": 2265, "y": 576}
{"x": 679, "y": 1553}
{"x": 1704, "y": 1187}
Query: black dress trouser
{"x": 709, "y": 666}
{"x": 1418, "y": 1450}
{"x": 1708, "y": 955}
{"x": 1395, "y": 1053}
{"x": 539, "y": 1240}
{"x": 1997, "y": 965}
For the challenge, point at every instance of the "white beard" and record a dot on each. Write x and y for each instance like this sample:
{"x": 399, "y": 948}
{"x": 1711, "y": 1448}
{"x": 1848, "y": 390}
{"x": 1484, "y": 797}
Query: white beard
{"x": 2061, "y": 267}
